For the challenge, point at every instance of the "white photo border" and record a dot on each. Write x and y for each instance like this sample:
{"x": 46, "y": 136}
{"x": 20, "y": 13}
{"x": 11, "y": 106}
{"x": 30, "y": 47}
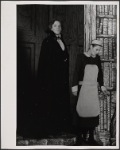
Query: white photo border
{"x": 8, "y": 73}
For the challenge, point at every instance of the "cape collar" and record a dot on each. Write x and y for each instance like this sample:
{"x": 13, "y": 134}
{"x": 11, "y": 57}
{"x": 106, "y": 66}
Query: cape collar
{"x": 52, "y": 34}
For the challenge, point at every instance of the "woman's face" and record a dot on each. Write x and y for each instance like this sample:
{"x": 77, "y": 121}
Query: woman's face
{"x": 96, "y": 50}
{"x": 56, "y": 27}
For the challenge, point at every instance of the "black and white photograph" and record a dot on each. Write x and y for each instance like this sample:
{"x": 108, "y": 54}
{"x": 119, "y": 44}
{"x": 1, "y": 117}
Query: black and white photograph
{"x": 60, "y": 74}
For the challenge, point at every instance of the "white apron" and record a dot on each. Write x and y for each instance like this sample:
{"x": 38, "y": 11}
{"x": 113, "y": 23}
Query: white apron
{"x": 88, "y": 102}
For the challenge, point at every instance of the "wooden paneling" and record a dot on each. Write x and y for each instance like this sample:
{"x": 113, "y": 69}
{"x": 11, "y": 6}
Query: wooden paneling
{"x": 90, "y": 25}
{"x": 32, "y": 21}
{"x": 31, "y": 26}
{"x": 25, "y": 67}
{"x": 30, "y": 33}
{"x": 29, "y": 55}
{"x": 25, "y": 17}
{"x": 93, "y": 21}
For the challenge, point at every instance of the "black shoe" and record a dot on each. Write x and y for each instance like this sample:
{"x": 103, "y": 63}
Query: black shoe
{"x": 93, "y": 142}
{"x": 79, "y": 141}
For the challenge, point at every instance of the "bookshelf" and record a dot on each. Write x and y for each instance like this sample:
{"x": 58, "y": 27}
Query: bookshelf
{"x": 105, "y": 36}
{"x": 106, "y": 31}
{"x": 107, "y": 16}
{"x": 100, "y": 22}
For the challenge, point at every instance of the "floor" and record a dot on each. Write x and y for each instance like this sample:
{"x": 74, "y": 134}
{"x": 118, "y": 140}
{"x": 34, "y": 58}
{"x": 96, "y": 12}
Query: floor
{"x": 63, "y": 139}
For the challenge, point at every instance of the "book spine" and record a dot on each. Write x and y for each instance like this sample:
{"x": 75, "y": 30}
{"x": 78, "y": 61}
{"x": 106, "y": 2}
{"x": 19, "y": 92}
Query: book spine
{"x": 101, "y": 99}
{"x": 113, "y": 96}
{"x": 114, "y": 26}
{"x": 114, "y": 47}
{"x": 101, "y": 53}
{"x": 114, "y": 10}
{"x": 113, "y": 103}
{"x": 102, "y": 116}
{"x": 98, "y": 10}
{"x": 112, "y": 109}
{"x": 101, "y": 26}
{"x": 110, "y": 9}
{"x": 100, "y": 112}
{"x": 105, "y": 114}
{"x": 103, "y": 10}
{"x": 105, "y": 46}
{"x": 106, "y": 74}
{"x": 110, "y": 26}
{"x": 105, "y": 26}
{"x": 108, "y": 113}
{"x": 113, "y": 75}
{"x": 110, "y": 76}
{"x": 106, "y": 9}
{"x": 97, "y": 25}
{"x": 110, "y": 47}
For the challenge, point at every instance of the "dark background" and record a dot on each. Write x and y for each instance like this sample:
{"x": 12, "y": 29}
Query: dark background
{"x": 32, "y": 21}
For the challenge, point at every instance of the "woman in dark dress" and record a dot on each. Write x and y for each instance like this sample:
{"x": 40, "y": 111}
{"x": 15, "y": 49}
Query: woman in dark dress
{"x": 88, "y": 74}
{"x": 53, "y": 104}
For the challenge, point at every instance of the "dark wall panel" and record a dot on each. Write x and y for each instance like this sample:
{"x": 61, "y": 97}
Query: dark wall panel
{"x": 32, "y": 21}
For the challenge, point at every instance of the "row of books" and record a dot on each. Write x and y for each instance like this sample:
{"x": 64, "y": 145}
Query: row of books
{"x": 108, "y": 51}
{"x": 109, "y": 74}
{"x": 106, "y": 9}
{"x": 106, "y": 31}
{"x": 106, "y": 111}
{"x": 106, "y": 26}
{"x": 113, "y": 103}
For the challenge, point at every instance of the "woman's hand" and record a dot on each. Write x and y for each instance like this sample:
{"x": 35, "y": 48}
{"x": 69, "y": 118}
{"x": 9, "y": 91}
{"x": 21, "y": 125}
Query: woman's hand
{"x": 74, "y": 90}
{"x": 104, "y": 90}
{"x": 75, "y": 93}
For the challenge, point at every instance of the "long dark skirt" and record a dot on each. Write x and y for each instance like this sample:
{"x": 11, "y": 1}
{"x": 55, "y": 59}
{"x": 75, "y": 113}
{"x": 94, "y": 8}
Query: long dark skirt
{"x": 84, "y": 123}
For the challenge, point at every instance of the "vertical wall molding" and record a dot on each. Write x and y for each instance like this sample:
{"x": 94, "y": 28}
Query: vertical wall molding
{"x": 89, "y": 25}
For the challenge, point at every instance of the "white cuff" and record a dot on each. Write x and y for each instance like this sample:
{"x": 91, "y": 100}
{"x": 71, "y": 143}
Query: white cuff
{"x": 75, "y": 88}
